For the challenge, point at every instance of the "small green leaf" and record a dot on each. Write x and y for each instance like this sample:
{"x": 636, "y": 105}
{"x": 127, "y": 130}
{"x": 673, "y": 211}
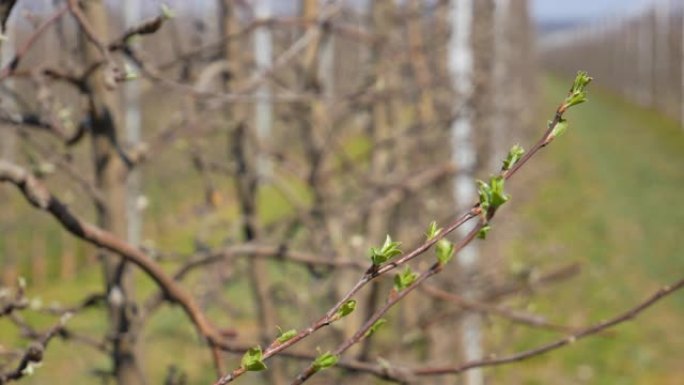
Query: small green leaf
{"x": 252, "y": 360}
{"x": 376, "y": 326}
{"x": 514, "y": 155}
{"x": 324, "y": 361}
{"x": 578, "y": 92}
{"x": 432, "y": 231}
{"x": 498, "y": 196}
{"x": 404, "y": 279}
{"x": 484, "y": 192}
{"x": 444, "y": 251}
{"x": 286, "y": 336}
{"x": 482, "y": 234}
{"x": 559, "y": 128}
{"x": 388, "y": 251}
{"x": 346, "y": 309}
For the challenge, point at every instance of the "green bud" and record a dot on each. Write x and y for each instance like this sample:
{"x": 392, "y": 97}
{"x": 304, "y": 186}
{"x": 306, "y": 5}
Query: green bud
{"x": 514, "y": 154}
{"x": 346, "y": 309}
{"x": 482, "y": 234}
{"x": 252, "y": 360}
{"x": 432, "y": 231}
{"x": 404, "y": 279}
{"x": 375, "y": 327}
{"x": 388, "y": 251}
{"x": 325, "y": 361}
{"x": 286, "y": 336}
{"x": 444, "y": 251}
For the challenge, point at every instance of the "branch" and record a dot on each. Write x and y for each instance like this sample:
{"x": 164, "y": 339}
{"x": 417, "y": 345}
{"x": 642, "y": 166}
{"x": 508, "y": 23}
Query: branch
{"x": 10, "y": 67}
{"x": 513, "y": 315}
{"x": 87, "y": 29}
{"x": 527, "y": 354}
{"x": 34, "y": 353}
{"x": 5, "y": 12}
{"x": 41, "y": 198}
{"x": 576, "y": 95}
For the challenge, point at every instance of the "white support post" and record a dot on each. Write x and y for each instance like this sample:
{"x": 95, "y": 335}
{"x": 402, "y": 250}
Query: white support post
{"x": 263, "y": 110}
{"x": 132, "y": 123}
{"x": 461, "y": 68}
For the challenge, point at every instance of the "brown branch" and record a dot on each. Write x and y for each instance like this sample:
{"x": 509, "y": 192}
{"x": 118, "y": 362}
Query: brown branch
{"x": 402, "y": 374}
{"x": 84, "y": 24}
{"x": 146, "y": 27}
{"x": 17, "y": 302}
{"x": 393, "y": 299}
{"x": 6, "y": 7}
{"x": 514, "y": 315}
{"x": 12, "y": 65}
{"x": 34, "y": 353}
{"x": 250, "y": 250}
{"x": 511, "y": 288}
{"x": 527, "y": 354}
{"x": 376, "y": 271}
{"x": 41, "y": 198}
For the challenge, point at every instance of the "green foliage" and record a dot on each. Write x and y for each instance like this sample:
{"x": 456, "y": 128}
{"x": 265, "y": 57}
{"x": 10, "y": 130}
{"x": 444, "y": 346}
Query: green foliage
{"x": 444, "y": 251}
{"x": 492, "y": 194}
{"x": 286, "y": 336}
{"x": 578, "y": 93}
{"x": 346, "y": 309}
{"x": 325, "y": 361}
{"x": 388, "y": 251}
{"x": 376, "y": 326}
{"x": 404, "y": 279}
{"x": 252, "y": 360}
{"x": 432, "y": 231}
{"x": 514, "y": 155}
{"x": 482, "y": 234}
{"x": 559, "y": 128}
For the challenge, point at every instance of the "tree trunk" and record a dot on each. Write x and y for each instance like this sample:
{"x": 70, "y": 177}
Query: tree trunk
{"x": 110, "y": 178}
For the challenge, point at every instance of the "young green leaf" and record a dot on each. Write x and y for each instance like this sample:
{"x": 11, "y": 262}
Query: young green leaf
{"x": 388, "y": 251}
{"x": 492, "y": 194}
{"x": 559, "y": 128}
{"x": 578, "y": 92}
{"x": 346, "y": 309}
{"x": 432, "y": 231}
{"x": 286, "y": 336}
{"x": 404, "y": 279}
{"x": 325, "y": 361}
{"x": 484, "y": 192}
{"x": 375, "y": 327}
{"x": 514, "y": 155}
{"x": 482, "y": 234}
{"x": 444, "y": 251}
{"x": 252, "y": 360}
{"x": 498, "y": 197}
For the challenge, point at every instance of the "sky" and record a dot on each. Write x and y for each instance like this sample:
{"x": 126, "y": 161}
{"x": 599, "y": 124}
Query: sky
{"x": 551, "y": 10}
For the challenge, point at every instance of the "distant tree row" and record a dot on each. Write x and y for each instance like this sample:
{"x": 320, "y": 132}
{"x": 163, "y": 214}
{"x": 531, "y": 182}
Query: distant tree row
{"x": 639, "y": 54}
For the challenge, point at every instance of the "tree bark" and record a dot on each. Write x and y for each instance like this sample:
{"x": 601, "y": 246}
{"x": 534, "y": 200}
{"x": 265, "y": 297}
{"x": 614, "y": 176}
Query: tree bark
{"x": 110, "y": 178}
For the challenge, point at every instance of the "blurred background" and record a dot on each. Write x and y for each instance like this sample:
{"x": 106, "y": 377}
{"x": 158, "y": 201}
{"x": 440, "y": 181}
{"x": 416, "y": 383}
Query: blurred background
{"x": 242, "y": 129}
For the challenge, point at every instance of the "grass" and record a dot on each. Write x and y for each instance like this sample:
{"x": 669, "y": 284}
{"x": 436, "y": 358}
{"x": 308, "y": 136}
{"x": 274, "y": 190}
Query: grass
{"x": 610, "y": 198}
